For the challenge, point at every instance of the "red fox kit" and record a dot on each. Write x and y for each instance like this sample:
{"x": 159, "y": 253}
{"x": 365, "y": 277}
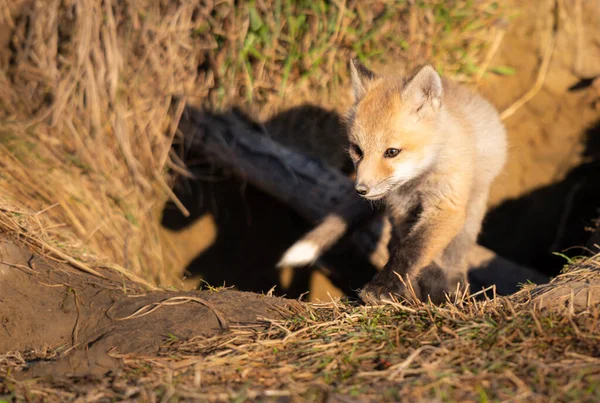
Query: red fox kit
{"x": 429, "y": 149}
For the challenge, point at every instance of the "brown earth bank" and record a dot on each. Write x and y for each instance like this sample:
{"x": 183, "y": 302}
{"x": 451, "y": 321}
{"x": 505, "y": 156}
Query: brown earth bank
{"x": 48, "y": 304}
{"x": 545, "y": 200}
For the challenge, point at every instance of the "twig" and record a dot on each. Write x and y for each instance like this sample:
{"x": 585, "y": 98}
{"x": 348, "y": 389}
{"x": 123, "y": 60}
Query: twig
{"x": 75, "y": 331}
{"x": 395, "y": 370}
{"x": 160, "y": 180}
{"x": 491, "y": 53}
{"x": 539, "y": 82}
{"x": 147, "y": 309}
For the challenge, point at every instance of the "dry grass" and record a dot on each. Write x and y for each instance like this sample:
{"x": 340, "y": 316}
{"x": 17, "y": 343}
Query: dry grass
{"x": 85, "y": 127}
{"x": 30, "y": 229}
{"x": 86, "y": 94}
{"x": 271, "y": 53}
{"x": 507, "y": 349}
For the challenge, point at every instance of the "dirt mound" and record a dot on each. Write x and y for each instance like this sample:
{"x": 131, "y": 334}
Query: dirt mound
{"x": 96, "y": 338}
{"x": 83, "y": 317}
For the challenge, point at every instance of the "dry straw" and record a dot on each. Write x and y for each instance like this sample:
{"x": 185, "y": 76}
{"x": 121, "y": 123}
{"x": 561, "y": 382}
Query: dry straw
{"x": 86, "y": 122}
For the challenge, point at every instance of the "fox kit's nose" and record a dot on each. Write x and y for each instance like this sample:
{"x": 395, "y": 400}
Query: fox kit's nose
{"x": 361, "y": 189}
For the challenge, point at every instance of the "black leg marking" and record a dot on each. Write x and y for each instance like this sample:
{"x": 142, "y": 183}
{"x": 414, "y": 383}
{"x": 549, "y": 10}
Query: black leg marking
{"x": 433, "y": 282}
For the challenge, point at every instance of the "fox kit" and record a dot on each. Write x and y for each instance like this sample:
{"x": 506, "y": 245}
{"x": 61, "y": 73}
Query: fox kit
{"x": 429, "y": 149}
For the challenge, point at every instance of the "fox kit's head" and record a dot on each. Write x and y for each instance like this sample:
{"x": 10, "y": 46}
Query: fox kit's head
{"x": 394, "y": 128}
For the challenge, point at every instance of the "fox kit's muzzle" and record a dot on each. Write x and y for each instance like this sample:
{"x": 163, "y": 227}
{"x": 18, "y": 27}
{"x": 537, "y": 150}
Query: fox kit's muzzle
{"x": 361, "y": 189}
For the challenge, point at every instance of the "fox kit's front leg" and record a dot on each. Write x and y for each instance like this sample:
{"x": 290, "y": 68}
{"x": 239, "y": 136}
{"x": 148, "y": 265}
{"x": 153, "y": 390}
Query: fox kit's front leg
{"x": 412, "y": 257}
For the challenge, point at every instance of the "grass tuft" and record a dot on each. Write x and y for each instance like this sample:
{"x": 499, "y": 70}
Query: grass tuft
{"x": 266, "y": 53}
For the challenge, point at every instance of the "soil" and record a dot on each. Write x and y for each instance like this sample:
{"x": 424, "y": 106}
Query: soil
{"x": 546, "y": 197}
{"x": 76, "y": 334}
{"x": 46, "y": 303}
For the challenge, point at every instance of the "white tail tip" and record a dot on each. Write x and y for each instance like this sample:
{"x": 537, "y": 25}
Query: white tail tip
{"x": 302, "y": 253}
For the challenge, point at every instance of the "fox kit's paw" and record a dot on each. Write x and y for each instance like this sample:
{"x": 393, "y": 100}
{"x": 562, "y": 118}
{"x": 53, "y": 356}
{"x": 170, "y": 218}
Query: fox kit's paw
{"x": 433, "y": 284}
{"x": 385, "y": 286}
{"x": 430, "y": 284}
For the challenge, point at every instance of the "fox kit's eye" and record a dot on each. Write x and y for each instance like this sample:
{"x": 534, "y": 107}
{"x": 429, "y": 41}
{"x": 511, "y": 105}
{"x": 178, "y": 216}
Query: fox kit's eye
{"x": 391, "y": 152}
{"x": 355, "y": 151}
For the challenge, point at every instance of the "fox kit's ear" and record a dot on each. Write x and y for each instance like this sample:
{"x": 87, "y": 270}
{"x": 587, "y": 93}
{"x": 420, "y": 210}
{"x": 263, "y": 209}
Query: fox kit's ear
{"x": 361, "y": 78}
{"x": 424, "y": 91}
